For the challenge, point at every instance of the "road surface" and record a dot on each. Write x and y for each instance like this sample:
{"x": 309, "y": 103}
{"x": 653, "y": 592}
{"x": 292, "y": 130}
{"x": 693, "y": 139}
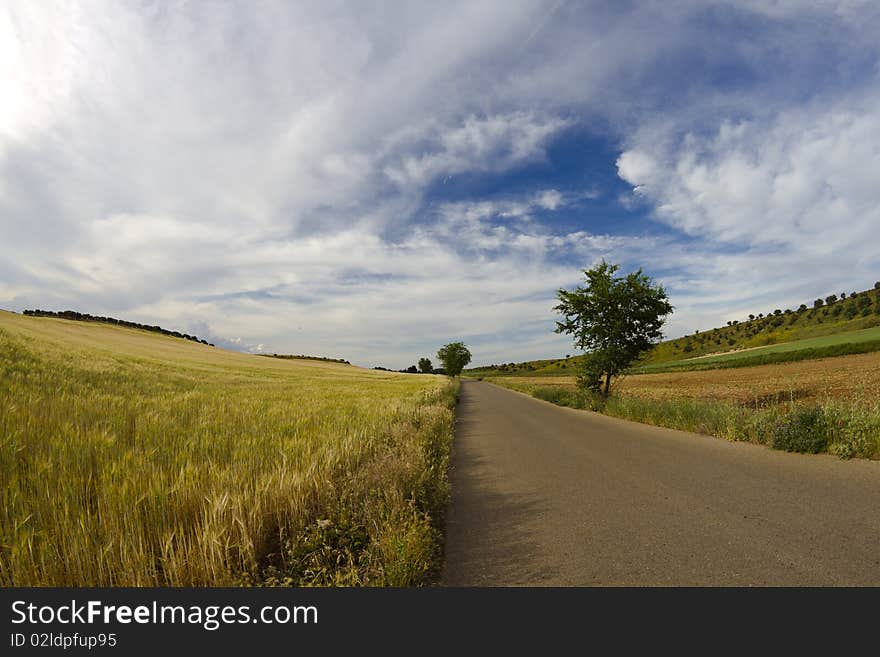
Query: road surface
{"x": 545, "y": 495}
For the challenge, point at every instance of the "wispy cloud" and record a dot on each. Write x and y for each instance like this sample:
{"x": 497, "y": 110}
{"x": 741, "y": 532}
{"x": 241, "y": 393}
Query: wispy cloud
{"x": 269, "y": 174}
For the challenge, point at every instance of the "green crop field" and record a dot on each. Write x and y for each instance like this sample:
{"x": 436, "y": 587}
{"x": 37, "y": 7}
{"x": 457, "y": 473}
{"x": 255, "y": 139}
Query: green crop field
{"x": 132, "y": 458}
{"x": 836, "y": 344}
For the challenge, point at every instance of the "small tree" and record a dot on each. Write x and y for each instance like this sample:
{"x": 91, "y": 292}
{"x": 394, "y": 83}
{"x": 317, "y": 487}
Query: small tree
{"x": 615, "y": 318}
{"x": 425, "y": 366}
{"x": 454, "y": 357}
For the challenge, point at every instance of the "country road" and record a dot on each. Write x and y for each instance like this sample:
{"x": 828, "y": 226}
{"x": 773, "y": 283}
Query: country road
{"x": 544, "y": 495}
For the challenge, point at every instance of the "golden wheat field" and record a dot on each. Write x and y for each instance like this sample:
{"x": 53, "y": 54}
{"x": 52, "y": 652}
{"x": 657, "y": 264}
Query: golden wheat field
{"x": 131, "y": 458}
{"x": 852, "y": 378}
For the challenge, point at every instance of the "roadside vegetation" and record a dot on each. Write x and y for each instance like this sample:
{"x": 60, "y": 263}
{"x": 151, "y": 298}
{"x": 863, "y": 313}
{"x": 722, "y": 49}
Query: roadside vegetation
{"x": 454, "y": 356}
{"x": 847, "y": 428}
{"x": 752, "y": 381}
{"x": 135, "y": 459}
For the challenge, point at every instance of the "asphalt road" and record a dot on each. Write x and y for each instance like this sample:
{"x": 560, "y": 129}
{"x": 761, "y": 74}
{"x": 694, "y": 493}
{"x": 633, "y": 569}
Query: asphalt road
{"x": 545, "y": 495}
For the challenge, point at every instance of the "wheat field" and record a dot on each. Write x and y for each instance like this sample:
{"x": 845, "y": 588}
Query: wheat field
{"x": 135, "y": 459}
{"x": 851, "y": 379}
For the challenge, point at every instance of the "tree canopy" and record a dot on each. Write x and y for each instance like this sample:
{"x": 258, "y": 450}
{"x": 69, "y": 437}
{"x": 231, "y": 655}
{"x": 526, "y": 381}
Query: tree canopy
{"x": 454, "y": 357}
{"x": 614, "y": 318}
{"x": 425, "y": 366}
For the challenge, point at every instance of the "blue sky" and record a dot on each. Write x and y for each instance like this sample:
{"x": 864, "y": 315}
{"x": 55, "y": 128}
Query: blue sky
{"x": 372, "y": 180}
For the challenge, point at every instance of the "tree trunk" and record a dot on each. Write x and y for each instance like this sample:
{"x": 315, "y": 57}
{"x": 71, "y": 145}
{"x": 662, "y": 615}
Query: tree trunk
{"x": 607, "y": 384}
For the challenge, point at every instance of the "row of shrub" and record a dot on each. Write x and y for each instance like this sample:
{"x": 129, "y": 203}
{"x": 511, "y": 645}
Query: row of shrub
{"x": 86, "y": 317}
{"x": 325, "y": 359}
{"x": 847, "y": 430}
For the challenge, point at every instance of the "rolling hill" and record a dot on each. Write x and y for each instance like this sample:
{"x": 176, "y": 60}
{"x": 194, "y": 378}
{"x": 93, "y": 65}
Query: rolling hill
{"x": 831, "y": 326}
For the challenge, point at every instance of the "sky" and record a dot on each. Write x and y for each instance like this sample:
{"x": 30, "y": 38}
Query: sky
{"x": 371, "y": 180}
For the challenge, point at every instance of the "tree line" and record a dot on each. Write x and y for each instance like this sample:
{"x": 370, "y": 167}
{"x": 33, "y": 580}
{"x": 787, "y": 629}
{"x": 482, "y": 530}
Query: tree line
{"x": 85, "y": 317}
{"x": 453, "y": 356}
{"x": 325, "y": 359}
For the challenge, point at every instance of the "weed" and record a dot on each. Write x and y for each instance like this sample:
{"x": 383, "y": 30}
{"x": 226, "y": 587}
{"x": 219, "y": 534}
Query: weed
{"x": 801, "y": 430}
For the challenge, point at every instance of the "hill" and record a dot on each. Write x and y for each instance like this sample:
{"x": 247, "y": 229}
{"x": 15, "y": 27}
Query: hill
{"x": 835, "y": 325}
{"x": 132, "y": 458}
{"x": 74, "y": 315}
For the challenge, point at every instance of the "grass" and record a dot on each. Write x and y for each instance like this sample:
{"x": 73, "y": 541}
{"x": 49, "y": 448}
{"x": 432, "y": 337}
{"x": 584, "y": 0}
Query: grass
{"x": 838, "y": 344}
{"x": 134, "y": 459}
{"x": 845, "y": 428}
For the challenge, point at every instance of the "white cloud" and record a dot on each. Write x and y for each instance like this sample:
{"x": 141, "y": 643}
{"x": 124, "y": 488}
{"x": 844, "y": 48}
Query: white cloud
{"x": 800, "y": 188}
{"x": 494, "y": 143}
{"x": 261, "y": 172}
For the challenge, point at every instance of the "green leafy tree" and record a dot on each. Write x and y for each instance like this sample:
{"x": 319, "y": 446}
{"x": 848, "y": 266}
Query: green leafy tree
{"x": 614, "y": 318}
{"x": 454, "y": 357}
{"x": 425, "y": 366}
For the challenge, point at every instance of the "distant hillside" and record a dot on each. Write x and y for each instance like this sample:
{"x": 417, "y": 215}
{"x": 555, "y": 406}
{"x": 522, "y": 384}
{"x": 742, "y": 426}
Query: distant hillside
{"x": 85, "y": 317}
{"x": 826, "y": 316}
{"x": 823, "y": 316}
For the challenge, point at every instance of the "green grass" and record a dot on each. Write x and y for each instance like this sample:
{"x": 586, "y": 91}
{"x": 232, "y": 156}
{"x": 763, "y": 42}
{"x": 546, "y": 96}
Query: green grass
{"x": 134, "y": 459}
{"x": 839, "y": 344}
{"x": 845, "y": 429}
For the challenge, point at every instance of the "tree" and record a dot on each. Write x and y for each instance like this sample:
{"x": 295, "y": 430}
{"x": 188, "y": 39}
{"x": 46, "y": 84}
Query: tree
{"x": 615, "y": 318}
{"x": 818, "y": 303}
{"x": 454, "y": 357}
{"x": 425, "y": 366}
{"x": 831, "y": 298}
